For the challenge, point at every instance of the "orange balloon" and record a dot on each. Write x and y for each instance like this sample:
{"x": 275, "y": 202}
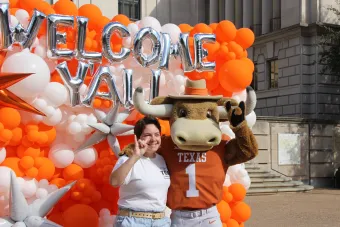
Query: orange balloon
{"x": 102, "y": 22}
{"x": 66, "y": 7}
{"x": 245, "y": 37}
{"x": 224, "y": 210}
{"x": 16, "y": 138}
{"x": 6, "y": 135}
{"x": 92, "y": 12}
{"x": 10, "y": 117}
{"x": 13, "y": 163}
{"x": 242, "y": 224}
{"x": 59, "y": 182}
{"x": 249, "y": 62}
{"x": 213, "y": 26}
{"x": 238, "y": 191}
{"x": 241, "y": 212}
{"x": 80, "y": 215}
{"x": 212, "y": 83}
{"x": 232, "y": 223}
{"x": 225, "y": 31}
{"x": 236, "y": 48}
{"x": 235, "y": 75}
{"x": 220, "y": 91}
{"x": 212, "y": 49}
{"x": 185, "y": 28}
{"x": 201, "y": 28}
{"x": 26, "y": 162}
{"x": 73, "y": 172}
{"x": 46, "y": 171}
{"x": 12, "y": 11}
{"x": 13, "y": 3}
{"x": 32, "y": 172}
{"x": 121, "y": 18}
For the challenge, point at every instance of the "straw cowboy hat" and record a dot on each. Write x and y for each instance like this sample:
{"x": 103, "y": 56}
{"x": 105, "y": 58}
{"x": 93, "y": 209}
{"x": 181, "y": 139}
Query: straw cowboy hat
{"x": 195, "y": 89}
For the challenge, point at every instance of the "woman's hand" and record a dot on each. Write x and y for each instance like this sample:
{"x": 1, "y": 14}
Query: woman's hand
{"x": 140, "y": 147}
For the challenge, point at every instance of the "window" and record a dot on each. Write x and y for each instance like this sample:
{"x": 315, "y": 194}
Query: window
{"x": 130, "y": 8}
{"x": 254, "y": 81}
{"x": 273, "y": 72}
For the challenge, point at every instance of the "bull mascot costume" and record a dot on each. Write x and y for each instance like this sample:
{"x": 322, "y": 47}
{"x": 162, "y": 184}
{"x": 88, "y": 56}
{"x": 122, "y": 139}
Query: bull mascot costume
{"x": 196, "y": 156}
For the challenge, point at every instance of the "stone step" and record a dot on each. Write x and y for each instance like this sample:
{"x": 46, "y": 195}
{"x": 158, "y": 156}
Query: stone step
{"x": 264, "y": 175}
{"x": 281, "y": 179}
{"x": 276, "y": 190}
{"x": 276, "y": 184}
{"x": 257, "y": 171}
{"x": 252, "y": 167}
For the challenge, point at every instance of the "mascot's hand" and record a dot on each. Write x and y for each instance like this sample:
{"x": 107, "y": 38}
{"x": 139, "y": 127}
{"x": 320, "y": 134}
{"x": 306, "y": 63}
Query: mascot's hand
{"x": 235, "y": 116}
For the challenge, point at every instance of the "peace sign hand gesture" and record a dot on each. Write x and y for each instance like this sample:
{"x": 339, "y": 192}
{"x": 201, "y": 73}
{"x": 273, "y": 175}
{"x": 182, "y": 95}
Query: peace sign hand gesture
{"x": 140, "y": 147}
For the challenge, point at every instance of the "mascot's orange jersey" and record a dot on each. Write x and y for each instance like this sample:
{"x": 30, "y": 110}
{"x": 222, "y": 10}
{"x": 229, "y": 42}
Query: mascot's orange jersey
{"x": 196, "y": 177}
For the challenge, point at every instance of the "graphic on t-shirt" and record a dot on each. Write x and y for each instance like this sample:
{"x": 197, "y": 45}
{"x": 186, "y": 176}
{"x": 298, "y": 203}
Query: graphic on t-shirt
{"x": 192, "y": 157}
{"x": 165, "y": 173}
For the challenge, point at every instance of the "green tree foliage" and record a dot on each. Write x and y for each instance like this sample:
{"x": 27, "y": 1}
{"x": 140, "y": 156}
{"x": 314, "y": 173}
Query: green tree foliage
{"x": 330, "y": 44}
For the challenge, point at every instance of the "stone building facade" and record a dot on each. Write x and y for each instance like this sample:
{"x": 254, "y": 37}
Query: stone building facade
{"x": 293, "y": 96}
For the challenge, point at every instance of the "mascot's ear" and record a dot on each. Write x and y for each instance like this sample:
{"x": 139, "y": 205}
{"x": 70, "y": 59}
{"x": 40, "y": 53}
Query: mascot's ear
{"x": 162, "y": 100}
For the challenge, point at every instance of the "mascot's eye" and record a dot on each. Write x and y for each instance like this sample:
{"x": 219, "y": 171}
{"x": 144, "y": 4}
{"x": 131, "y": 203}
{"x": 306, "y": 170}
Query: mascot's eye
{"x": 182, "y": 113}
{"x": 209, "y": 114}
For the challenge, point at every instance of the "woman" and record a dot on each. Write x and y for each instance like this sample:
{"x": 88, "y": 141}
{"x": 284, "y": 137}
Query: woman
{"x": 143, "y": 179}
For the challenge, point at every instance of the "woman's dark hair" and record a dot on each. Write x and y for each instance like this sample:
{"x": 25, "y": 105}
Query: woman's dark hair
{"x": 147, "y": 120}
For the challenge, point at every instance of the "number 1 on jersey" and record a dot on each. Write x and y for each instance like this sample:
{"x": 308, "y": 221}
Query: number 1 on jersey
{"x": 191, "y": 171}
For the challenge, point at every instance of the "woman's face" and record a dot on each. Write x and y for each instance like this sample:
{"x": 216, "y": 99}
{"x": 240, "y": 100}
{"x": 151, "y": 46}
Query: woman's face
{"x": 152, "y": 134}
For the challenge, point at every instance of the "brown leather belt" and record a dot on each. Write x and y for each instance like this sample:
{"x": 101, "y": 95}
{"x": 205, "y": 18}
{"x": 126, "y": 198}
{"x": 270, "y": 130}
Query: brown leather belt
{"x": 138, "y": 214}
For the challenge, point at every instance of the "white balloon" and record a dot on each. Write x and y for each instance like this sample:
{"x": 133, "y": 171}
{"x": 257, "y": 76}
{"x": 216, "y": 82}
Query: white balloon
{"x": 53, "y": 119}
{"x": 86, "y": 158}
{"x": 74, "y": 128}
{"x": 227, "y": 181}
{"x": 2, "y": 154}
{"x": 29, "y": 188}
{"x": 55, "y": 94}
{"x": 5, "y": 179}
{"x": 227, "y": 131}
{"x": 242, "y": 95}
{"x": 19, "y": 224}
{"x": 251, "y": 119}
{"x": 26, "y": 62}
{"x": 22, "y": 15}
{"x": 14, "y": 21}
{"x": 51, "y": 64}
{"x": 151, "y": 22}
{"x": 41, "y": 193}
{"x": 61, "y": 155}
{"x": 173, "y": 30}
{"x": 43, "y": 183}
{"x": 40, "y": 51}
{"x": 127, "y": 42}
{"x": 133, "y": 29}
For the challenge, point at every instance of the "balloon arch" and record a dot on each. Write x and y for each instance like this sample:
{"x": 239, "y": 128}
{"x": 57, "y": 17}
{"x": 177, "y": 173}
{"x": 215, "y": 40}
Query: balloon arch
{"x": 63, "y": 68}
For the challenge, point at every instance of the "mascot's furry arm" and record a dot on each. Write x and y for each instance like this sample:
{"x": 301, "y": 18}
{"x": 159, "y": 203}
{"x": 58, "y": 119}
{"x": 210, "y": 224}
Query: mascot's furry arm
{"x": 244, "y": 146}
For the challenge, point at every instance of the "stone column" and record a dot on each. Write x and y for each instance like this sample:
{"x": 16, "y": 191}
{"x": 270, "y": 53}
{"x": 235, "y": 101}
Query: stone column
{"x": 213, "y": 11}
{"x": 267, "y": 13}
{"x": 247, "y": 13}
{"x": 238, "y": 13}
{"x": 230, "y": 10}
{"x": 276, "y": 8}
{"x": 257, "y": 18}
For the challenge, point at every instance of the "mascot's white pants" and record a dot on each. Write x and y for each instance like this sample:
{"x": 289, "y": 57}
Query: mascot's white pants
{"x": 197, "y": 218}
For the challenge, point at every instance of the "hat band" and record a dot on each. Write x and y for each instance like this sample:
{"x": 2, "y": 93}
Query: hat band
{"x": 196, "y": 91}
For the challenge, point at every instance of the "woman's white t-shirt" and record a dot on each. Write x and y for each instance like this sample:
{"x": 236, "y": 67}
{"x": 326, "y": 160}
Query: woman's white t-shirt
{"x": 146, "y": 186}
